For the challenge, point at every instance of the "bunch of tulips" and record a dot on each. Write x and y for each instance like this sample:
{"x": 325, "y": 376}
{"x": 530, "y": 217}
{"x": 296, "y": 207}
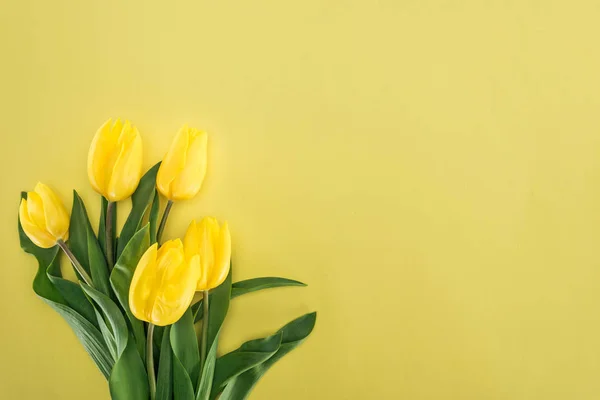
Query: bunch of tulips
{"x": 132, "y": 305}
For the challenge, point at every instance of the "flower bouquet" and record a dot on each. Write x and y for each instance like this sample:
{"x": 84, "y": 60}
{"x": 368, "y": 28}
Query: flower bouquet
{"x": 132, "y": 306}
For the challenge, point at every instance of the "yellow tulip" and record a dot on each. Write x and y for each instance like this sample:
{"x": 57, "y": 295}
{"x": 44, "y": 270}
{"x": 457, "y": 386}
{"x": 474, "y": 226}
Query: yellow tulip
{"x": 43, "y": 217}
{"x": 115, "y": 160}
{"x": 163, "y": 284}
{"x": 182, "y": 170}
{"x": 213, "y": 244}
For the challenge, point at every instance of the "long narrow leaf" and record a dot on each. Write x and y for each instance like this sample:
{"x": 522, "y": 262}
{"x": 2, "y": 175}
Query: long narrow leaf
{"x": 249, "y": 286}
{"x": 120, "y": 279}
{"x": 85, "y": 246}
{"x": 249, "y": 355}
{"x": 207, "y": 374}
{"x": 182, "y": 385}
{"x": 218, "y": 306}
{"x": 185, "y": 345}
{"x": 128, "y": 379}
{"x": 113, "y": 317}
{"x": 140, "y": 202}
{"x": 293, "y": 334}
{"x": 102, "y": 226}
{"x": 164, "y": 379}
{"x": 88, "y": 334}
{"x": 70, "y": 291}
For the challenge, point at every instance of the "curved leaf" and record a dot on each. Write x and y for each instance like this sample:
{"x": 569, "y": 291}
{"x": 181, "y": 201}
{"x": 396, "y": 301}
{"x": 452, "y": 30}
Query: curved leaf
{"x": 164, "y": 380}
{"x": 70, "y": 291}
{"x": 140, "y": 201}
{"x": 293, "y": 334}
{"x": 102, "y": 225}
{"x": 207, "y": 374}
{"x": 182, "y": 385}
{"x": 111, "y": 315}
{"x": 129, "y": 380}
{"x": 85, "y": 246}
{"x": 185, "y": 345}
{"x": 249, "y": 286}
{"x": 88, "y": 334}
{"x": 255, "y": 284}
{"x": 218, "y": 305}
{"x": 120, "y": 279}
{"x": 249, "y": 355}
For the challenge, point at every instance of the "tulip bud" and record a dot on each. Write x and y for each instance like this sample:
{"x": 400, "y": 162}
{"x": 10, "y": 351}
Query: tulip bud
{"x": 163, "y": 284}
{"x": 43, "y": 217}
{"x": 115, "y": 160}
{"x": 213, "y": 244}
{"x": 182, "y": 170}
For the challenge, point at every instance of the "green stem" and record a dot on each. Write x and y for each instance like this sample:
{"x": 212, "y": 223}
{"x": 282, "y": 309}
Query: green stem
{"x": 109, "y": 235}
{"x": 204, "y": 345}
{"x": 150, "y": 361}
{"x": 163, "y": 221}
{"x": 76, "y": 264}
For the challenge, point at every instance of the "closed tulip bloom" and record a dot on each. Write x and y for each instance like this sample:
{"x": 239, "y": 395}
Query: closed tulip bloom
{"x": 213, "y": 244}
{"x": 163, "y": 284}
{"x": 43, "y": 217}
{"x": 115, "y": 160}
{"x": 183, "y": 168}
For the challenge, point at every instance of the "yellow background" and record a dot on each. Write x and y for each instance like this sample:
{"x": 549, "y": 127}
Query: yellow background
{"x": 430, "y": 168}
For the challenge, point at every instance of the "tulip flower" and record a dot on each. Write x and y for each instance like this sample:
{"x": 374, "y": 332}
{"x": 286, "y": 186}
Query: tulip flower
{"x": 115, "y": 160}
{"x": 45, "y": 221}
{"x": 213, "y": 244}
{"x": 43, "y": 217}
{"x": 163, "y": 284}
{"x": 183, "y": 168}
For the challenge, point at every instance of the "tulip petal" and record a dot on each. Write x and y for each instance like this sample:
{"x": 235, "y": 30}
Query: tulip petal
{"x": 127, "y": 168}
{"x": 142, "y": 285}
{"x": 56, "y": 216}
{"x": 191, "y": 240}
{"x": 38, "y": 236}
{"x": 223, "y": 257}
{"x": 163, "y": 284}
{"x": 189, "y": 181}
{"x": 35, "y": 207}
{"x": 101, "y": 155}
{"x": 173, "y": 163}
{"x": 177, "y": 295}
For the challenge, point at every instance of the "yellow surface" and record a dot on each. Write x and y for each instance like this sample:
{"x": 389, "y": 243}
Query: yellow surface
{"x": 430, "y": 168}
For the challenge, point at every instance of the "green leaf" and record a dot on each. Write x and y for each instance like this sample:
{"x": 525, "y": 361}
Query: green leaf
{"x": 255, "y": 284}
{"x": 208, "y": 372}
{"x": 293, "y": 334}
{"x": 164, "y": 380}
{"x": 129, "y": 380}
{"x": 140, "y": 201}
{"x": 218, "y": 305}
{"x": 85, "y": 247}
{"x": 117, "y": 327}
{"x": 249, "y": 355}
{"x": 249, "y": 286}
{"x": 88, "y": 334}
{"x": 182, "y": 385}
{"x": 153, "y": 219}
{"x": 185, "y": 345}
{"x": 120, "y": 279}
{"x": 70, "y": 291}
{"x": 102, "y": 226}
